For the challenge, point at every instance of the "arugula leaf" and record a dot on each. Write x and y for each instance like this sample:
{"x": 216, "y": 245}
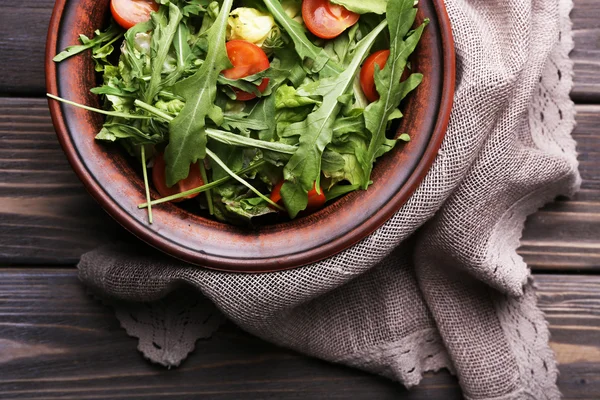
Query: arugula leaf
{"x": 231, "y": 156}
{"x": 241, "y": 209}
{"x": 235, "y": 176}
{"x": 287, "y": 97}
{"x": 183, "y": 53}
{"x": 345, "y": 125}
{"x": 315, "y": 133}
{"x": 353, "y": 152}
{"x": 238, "y": 140}
{"x": 113, "y": 130}
{"x": 400, "y": 16}
{"x": 264, "y": 111}
{"x": 162, "y": 38}
{"x": 97, "y": 110}
{"x": 332, "y": 161}
{"x": 134, "y": 62}
{"x": 205, "y": 187}
{"x": 339, "y": 49}
{"x": 243, "y": 123}
{"x": 294, "y": 197}
{"x": 362, "y": 6}
{"x": 187, "y": 137}
{"x": 112, "y": 33}
{"x": 304, "y": 47}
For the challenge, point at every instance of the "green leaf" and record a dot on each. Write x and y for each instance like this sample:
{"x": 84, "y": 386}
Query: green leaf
{"x": 162, "y": 38}
{"x": 353, "y": 171}
{"x": 287, "y": 97}
{"x": 217, "y": 160}
{"x": 183, "y": 54}
{"x": 243, "y": 123}
{"x": 400, "y": 16}
{"x": 363, "y": 6}
{"x": 240, "y": 210}
{"x": 205, "y": 187}
{"x": 264, "y": 111}
{"x": 172, "y": 107}
{"x": 304, "y": 47}
{"x": 111, "y": 90}
{"x": 315, "y": 133}
{"x": 287, "y": 59}
{"x": 187, "y": 137}
{"x": 294, "y": 198}
{"x": 241, "y": 141}
{"x": 233, "y": 157}
{"x": 345, "y": 125}
{"x": 97, "y": 110}
{"x": 339, "y": 190}
{"x": 113, "y": 32}
{"x": 331, "y": 162}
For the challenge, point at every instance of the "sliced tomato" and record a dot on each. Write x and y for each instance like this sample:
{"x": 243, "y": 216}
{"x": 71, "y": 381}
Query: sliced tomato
{"x": 128, "y": 13}
{"x": 276, "y": 192}
{"x": 315, "y": 201}
{"x": 193, "y": 180}
{"x": 325, "y": 19}
{"x": 247, "y": 59}
{"x": 367, "y": 73}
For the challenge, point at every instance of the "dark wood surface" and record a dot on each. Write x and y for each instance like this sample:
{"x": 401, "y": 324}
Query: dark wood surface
{"x": 58, "y": 343}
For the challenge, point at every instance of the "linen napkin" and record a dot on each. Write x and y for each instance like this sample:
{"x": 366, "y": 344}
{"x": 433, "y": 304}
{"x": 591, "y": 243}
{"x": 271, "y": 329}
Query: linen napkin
{"x": 440, "y": 284}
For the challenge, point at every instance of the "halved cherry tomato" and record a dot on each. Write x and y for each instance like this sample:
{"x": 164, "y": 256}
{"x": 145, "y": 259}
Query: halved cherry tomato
{"x": 367, "y": 73}
{"x": 128, "y": 13}
{"x": 325, "y": 19}
{"x": 247, "y": 59}
{"x": 276, "y": 192}
{"x": 315, "y": 201}
{"x": 193, "y": 180}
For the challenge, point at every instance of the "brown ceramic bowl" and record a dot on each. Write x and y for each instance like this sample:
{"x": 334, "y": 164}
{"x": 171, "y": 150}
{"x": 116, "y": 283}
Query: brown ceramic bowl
{"x": 115, "y": 184}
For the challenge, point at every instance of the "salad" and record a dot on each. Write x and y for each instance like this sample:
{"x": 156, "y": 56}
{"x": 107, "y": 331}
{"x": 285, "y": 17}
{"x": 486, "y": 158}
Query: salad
{"x": 263, "y": 107}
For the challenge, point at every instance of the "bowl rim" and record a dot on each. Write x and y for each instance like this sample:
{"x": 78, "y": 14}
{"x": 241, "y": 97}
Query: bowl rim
{"x": 326, "y": 250}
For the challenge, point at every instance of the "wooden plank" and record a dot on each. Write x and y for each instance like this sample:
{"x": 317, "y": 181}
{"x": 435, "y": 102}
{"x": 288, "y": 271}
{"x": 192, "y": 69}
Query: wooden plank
{"x": 23, "y": 26}
{"x": 566, "y": 233}
{"x": 47, "y": 217}
{"x": 23, "y": 29}
{"x": 571, "y": 305}
{"x": 59, "y": 343}
{"x": 586, "y": 53}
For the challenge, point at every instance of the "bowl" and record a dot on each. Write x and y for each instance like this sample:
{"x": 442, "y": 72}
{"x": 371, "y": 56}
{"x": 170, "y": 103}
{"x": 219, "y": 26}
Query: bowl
{"x": 111, "y": 179}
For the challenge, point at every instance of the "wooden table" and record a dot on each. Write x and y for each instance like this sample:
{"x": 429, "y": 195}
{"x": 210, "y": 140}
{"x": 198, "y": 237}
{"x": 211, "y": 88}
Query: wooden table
{"x": 58, "y": 343}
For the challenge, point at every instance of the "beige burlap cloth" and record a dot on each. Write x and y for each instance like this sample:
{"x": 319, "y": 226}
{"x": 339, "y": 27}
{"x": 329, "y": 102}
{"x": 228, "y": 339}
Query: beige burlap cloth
{"x": 453, "y": 293}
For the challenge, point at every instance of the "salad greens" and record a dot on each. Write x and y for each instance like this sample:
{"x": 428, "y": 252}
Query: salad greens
{"x": 310, "y": 126}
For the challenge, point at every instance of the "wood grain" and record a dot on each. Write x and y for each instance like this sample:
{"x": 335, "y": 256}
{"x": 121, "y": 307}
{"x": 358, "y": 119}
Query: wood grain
{"x": 59, "y": 343}
{"x": 586, "y": 53}
{"x": 23, "y": 26}
{"x": 47, "y": 217}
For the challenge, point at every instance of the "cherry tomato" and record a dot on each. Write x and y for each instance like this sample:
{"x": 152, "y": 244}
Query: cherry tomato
{"x": 367, "y": 73}
{"x": 325, "y": 19}
{"x": 128, "y": 13}
{"x": 247, "y": 59}
{"x": 315, "y": 201}
{"x": 276, "y": 192}
{"x": 193, "y": 180}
